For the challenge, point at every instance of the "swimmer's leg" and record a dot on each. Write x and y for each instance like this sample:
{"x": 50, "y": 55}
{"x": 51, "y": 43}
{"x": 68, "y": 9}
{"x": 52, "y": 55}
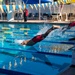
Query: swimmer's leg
{"x": 51, "y": 29}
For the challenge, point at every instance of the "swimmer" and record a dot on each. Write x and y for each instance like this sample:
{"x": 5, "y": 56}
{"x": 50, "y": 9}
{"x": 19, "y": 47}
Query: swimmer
{"x": 39, "y": 38}
{"x": 72, "y": 24}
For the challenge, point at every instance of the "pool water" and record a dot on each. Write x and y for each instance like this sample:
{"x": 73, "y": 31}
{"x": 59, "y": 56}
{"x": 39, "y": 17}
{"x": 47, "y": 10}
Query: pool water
{"x": 48, "y": 57}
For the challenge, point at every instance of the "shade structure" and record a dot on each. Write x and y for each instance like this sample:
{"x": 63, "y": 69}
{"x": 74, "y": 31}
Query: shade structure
{"x": 36, "y": 1}
{"x": 47, "y": 1}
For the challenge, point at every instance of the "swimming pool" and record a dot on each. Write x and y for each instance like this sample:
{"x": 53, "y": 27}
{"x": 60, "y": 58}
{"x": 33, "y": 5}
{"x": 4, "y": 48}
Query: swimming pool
{"x": 48, "y": 57}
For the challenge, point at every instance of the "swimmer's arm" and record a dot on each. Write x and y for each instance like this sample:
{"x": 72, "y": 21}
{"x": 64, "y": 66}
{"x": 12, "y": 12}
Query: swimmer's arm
{"x": 25, "y": 42}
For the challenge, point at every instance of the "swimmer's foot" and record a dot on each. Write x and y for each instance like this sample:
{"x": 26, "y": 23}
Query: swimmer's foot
{"x": 72, "y": 39}
{"x": 55, "y": 27}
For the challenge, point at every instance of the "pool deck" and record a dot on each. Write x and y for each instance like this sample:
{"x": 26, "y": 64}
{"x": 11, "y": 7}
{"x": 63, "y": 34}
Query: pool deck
{"x": 36, "y": 21}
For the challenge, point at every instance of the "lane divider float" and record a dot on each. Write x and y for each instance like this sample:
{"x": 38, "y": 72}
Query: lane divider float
{"x": 24, "y": 28}
{"x": 5, "y": 28}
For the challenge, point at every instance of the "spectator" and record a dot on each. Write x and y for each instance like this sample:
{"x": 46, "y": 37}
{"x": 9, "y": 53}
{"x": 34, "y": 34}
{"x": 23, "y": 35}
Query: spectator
{"x": 25, "y": 14}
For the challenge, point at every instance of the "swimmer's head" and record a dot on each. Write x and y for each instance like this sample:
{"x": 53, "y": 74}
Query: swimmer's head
{"x": 23, "y": 43}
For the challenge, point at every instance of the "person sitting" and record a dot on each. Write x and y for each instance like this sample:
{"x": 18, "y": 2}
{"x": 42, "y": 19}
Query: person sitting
{"x": 39, "y": 38}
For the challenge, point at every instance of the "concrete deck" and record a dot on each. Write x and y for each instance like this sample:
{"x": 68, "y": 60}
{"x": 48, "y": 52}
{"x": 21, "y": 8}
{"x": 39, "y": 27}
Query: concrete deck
{"x": 36, "y": 21}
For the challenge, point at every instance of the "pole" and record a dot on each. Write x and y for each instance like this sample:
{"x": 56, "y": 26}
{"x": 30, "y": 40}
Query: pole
{"x": 70, "y": 10}
{"x": 39, "y": 9}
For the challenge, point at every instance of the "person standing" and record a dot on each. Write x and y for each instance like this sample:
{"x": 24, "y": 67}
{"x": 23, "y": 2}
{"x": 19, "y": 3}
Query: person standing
{"x": 25, "y": 14}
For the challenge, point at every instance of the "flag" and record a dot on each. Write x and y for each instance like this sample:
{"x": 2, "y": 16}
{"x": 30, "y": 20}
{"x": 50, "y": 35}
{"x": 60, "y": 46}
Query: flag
{"x": 61, "y": 5}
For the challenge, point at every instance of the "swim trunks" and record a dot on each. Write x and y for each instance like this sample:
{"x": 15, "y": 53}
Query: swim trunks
{"x": 37, "y": 38}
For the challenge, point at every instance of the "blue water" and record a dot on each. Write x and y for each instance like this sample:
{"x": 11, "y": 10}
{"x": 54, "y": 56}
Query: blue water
{"x": 14, "y": 56}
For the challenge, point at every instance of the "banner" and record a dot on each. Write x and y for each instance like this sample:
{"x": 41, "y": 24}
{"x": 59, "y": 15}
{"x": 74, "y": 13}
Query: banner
{"x": 66, "y": 1}
{"x": 7, "y": 7}
{"x": 13, "y": 7}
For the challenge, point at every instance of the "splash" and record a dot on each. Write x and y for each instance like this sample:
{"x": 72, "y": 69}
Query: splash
{"x": 43, "y": 30}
